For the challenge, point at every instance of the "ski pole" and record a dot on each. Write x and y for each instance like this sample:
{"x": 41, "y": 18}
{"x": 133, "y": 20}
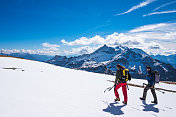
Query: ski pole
{"x": 155, "y": 89}
{"x": 160, "y": 91}
{"x": 127, "y": 87}
{"x": 109, "y": 88}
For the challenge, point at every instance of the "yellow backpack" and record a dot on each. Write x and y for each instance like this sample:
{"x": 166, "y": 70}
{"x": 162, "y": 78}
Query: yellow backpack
{"x": 126, "y": 74}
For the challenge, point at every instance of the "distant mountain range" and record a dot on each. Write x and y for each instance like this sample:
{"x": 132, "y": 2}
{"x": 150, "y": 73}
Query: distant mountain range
{"x": 105, "y": 59}
{"x": 170, "y": 59}
{"x": 35, "y": 57}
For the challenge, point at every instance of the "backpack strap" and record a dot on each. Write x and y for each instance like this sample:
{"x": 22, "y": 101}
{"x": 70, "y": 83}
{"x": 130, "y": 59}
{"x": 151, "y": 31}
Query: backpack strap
{"x": 125, "y": 72}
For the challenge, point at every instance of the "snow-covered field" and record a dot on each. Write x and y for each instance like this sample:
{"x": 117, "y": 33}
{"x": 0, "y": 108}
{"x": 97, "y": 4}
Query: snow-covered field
{"x": 39, "y": 89}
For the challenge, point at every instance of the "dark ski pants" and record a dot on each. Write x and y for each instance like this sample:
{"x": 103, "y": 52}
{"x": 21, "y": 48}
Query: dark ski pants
{"x": 152, "y": 90}
{"x": 124, "y": 89}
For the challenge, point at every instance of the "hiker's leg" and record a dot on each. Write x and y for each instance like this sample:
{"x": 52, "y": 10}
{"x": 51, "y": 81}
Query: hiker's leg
{"x": 154, "y": 94}
{"x": 124, "y": 89}
{"x": 116, "y": 88}
{"x": 145, "y": 92}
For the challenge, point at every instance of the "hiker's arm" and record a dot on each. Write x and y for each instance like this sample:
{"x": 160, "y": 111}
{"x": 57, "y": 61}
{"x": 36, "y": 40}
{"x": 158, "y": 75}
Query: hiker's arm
{"x": 152, "y": 79}
{"x": 117, "y": 76}
{"x": 147, "y": 76}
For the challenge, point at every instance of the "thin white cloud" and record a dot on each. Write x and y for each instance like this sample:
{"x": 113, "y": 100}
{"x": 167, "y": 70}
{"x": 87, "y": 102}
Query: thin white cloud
{"x": 150, "y": 27}
{"x": 142, "y": 4}
{"x": 38, "y": 51}
{"x": 48, "y": 46}
{"x": 164, "y": 5}
{"x": 161, "y": 12}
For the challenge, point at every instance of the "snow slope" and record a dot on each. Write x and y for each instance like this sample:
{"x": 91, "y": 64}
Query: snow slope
{"x": 39, "y": 89}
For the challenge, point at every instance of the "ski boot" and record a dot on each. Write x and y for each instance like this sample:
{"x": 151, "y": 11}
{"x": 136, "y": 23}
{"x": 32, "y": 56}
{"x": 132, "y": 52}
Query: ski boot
{"x": 124, "y": 102}
{"x": 117, "y": 99}
{"x": 155, "y": 102}
{"x": 142, "y": 98}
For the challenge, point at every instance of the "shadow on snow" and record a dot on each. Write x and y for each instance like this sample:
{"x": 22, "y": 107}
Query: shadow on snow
{"x": 149, "y": 107}
{"x": 115, "y": 110}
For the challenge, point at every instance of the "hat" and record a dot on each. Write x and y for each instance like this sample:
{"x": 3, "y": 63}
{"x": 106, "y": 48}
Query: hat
{"x": 149, "y": 67}
{"x": 118, "y": 65}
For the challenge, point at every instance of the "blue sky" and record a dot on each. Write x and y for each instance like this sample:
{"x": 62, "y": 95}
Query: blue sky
{"x": 42, "y": 24}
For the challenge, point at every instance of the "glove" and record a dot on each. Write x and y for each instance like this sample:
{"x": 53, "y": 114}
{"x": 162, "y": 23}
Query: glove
{"x": 152, "y": 86}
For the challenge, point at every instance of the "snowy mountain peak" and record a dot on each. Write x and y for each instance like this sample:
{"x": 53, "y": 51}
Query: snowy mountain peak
{"x": 139, "y": 51}
{"x": 105, "y": 59}
{"x": 105, "y": 49}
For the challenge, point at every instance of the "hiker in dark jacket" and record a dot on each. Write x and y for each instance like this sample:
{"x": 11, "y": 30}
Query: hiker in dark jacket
{"x": 121, "y": 81}
{"x": 151, "y": 83}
